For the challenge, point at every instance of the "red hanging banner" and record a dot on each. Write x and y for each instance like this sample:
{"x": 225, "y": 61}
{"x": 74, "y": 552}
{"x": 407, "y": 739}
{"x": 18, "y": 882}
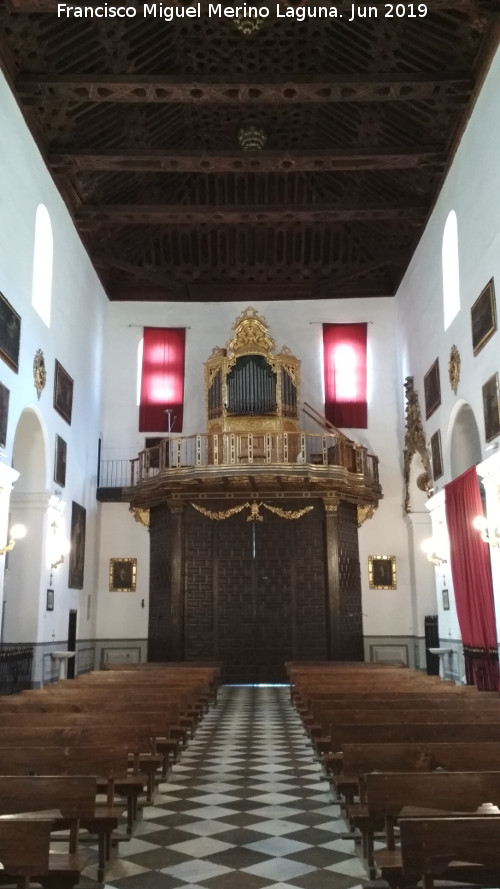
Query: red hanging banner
{"x": 344, "y": 362}
{"x": 162, "y": 382}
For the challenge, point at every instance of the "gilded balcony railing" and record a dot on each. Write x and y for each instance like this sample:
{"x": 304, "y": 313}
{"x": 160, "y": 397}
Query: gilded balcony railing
{"x": 229, "y": 449}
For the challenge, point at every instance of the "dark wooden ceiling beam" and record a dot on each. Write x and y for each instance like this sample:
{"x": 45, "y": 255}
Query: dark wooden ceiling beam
{"x": 359, "y": 274}
{"x": 90, "y": 216}
{"x": 150, "y": 277}
{"x": 224, "y": 291}
{"x": 352, "y": 88}
{"x": 248, "y": 162}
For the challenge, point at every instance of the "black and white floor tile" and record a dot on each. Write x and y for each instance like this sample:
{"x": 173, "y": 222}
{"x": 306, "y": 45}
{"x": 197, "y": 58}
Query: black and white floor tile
{"x": 246, "y": 808}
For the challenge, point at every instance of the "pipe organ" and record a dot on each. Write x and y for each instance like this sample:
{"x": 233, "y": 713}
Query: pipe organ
{"x": 249, "y": 386}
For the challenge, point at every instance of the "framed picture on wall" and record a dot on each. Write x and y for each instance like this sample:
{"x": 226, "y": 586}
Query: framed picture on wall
{"x": 10, "y": 334}
{"x": 436, "y": 455}
{"x": 50, "y": 600}
{"x": 432, "y": 389}
{"x": 491, "y": 408}
{"x": 63, "y": 393}
{"x": 60, "y": 461}
{"x": 77, "y": 551}
{"x": 4, "y": 414}
{"x": 122, "y": 575}
{"x": 446, "y": 600}
{"x": 483, "y": 316}
{"x": 382, "y": 572}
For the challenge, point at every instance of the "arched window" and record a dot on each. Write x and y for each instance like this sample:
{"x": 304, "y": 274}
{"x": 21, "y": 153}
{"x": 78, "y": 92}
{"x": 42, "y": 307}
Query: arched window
{"x": 41, "y": 288}
{"x": 451, "y": 278}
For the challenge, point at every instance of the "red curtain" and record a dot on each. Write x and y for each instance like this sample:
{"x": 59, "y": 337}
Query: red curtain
{"x": 344, "y": 362}
{"x": 162, "y": 382}
{"x": 471, "y": 573}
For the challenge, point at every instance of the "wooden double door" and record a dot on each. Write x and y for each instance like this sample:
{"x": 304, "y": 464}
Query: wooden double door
{"x": 254, "y": 594}
{"x": 266, "y": 586}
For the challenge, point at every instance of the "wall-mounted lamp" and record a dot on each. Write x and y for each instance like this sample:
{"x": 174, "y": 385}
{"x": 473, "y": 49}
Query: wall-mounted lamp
{"x": 430, "y": 549}
{"x": 489, "y": 534}
{"x": 17, "y": 532}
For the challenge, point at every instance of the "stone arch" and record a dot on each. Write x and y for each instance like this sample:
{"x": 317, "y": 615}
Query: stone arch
{"x": 25, "y": 580}
{"x": 464, "y": 440}
{"x": 29, "y": 453}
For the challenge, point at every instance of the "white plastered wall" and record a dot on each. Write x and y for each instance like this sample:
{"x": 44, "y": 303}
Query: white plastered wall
{"x": 470, "y": 189}
{"x": 76, "y": 338}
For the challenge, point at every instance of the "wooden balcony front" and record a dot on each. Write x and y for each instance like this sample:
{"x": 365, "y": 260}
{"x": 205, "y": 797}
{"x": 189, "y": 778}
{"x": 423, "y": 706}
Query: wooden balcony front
{"x": 229, "y": 464}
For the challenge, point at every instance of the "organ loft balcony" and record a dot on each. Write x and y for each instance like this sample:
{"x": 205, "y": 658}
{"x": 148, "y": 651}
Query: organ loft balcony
{"x": 230, "y": 465}
{"x": 253, "y": 445}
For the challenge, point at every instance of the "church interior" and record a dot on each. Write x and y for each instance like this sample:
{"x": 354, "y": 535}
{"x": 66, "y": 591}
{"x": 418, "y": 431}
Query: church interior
{"x": 248, "y": 335}
{"x": 249, "y": 430}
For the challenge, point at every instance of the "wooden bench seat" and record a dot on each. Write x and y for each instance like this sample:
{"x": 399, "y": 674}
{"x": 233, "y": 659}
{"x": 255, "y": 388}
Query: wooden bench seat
{"x": 104, "y": 763}
{"x": 25, "y": 855}
{"x": 456, "y": 756}
{"x": 387, "y": 794}
{"x": 74, "y": 798}
{"x": 17, "y": 793}
{"x": 465, "y": 849}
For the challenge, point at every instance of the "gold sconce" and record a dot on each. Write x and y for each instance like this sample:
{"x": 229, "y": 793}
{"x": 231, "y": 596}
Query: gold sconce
{"x": 430, "y": 549}
{"x": 17, "y": 532}
{"x": 490, "y": 535}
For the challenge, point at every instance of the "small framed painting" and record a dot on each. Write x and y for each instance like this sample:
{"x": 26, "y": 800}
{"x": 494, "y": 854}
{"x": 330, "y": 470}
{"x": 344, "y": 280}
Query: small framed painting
{"x": 63, "y": 393}
{"x": 10, "y": 334}
{"x": 446, "y": 600}
{"x": 436, "y": 455}
{"x": 122, "y": 575}
{"x": 432, "y": 389}
{"x": 60, "y": 461}
{"x": 382, "y": 572}
{"x": 4, "y": 414}
{"x": 483, "y": 316}
{"x": 491, "y": 408}
{"x": 50, "y": 600}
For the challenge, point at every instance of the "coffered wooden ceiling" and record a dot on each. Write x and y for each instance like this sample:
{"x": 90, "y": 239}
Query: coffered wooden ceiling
{"x": 138, "y": 121}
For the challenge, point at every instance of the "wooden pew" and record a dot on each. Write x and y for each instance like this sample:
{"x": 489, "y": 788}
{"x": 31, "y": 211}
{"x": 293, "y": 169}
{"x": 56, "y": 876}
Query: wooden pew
{"x": 465, "y": 849}
{"x": 24, "y": 851}
{"x": 456, "y": 756}
{"x": 73, "y": 797}
{"x": 412, "y": 716}
{"x": 391, "y": 733}
{"x": 130, "y": 786}
{"x": 98, "y": 763}
{"x": 388, "y": 793}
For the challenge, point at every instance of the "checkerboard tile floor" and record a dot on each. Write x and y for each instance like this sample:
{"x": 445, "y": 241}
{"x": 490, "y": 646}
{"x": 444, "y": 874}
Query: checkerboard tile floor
{"x": 246, "y": 808}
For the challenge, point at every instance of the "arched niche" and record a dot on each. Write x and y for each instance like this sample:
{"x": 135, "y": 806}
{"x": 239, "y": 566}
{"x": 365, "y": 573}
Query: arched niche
{"x": 25, "y": 580}
{"x": 29, "y": 455}
{"x": 464, "y": 440}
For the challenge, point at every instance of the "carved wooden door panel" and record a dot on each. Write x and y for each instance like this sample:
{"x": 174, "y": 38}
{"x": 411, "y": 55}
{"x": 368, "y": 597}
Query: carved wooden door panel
{"x": 275, "y": 594}
{"x": 234, "y": 600}
{"x": 254, "y": 592}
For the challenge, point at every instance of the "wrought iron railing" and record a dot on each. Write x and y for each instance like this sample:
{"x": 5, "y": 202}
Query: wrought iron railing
{"x": 15, "y": 669}
{"x": 230, "y": 449}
